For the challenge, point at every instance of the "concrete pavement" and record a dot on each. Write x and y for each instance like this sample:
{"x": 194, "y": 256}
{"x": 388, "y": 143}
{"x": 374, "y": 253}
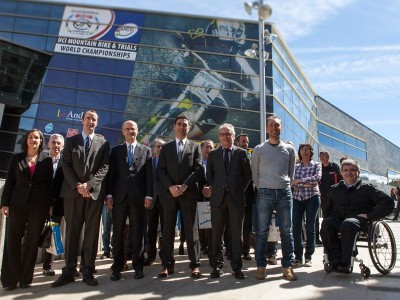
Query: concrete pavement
{"x": 313, "y": 283}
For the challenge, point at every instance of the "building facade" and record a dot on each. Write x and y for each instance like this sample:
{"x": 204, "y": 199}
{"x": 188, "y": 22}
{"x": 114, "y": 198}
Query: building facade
{"x": 150, "y": 67}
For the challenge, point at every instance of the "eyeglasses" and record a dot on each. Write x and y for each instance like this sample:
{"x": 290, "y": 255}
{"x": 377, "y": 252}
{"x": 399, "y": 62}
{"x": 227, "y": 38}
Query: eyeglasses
{"x": 130, "y": 129}
{"x": 227, "y": 134}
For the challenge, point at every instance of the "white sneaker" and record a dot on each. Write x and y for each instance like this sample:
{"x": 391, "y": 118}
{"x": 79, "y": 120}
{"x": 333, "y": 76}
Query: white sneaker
{"x": 308, "y": 263}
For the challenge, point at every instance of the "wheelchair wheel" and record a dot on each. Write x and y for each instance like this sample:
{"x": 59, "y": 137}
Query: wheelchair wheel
{"x": 382, "y": 247}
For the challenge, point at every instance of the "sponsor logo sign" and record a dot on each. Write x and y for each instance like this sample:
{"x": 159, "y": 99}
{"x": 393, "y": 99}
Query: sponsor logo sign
{"x": 72, "y": 132}
{"x": 92, "y": 32}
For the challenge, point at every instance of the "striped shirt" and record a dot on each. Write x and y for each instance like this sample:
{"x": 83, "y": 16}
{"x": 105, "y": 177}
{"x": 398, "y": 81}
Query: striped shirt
{"x": 309, "y": 174}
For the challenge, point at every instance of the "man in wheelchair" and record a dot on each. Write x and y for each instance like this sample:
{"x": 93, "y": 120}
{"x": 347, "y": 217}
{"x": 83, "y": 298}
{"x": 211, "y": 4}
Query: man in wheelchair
{"x": 351, "y": 205}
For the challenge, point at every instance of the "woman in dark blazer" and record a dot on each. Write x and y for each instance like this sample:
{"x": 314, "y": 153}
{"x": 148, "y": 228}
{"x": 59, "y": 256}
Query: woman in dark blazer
{"x": 26, "y": 202}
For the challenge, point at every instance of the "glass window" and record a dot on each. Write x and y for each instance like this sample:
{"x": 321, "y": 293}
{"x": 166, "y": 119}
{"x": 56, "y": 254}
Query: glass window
{"x": 94, "y": 99}
{"x": 338, "y": 134}
{"x": 350, "y": 140}
{"x": 325, "y": 129}
{"x": 58, "y": 95}
{"x": 95, "y": 82}
{"x": 64, "y": 61}
{"x": 96, "y": 65}
{"x": 325, "y": 140}
{"x": 361, "y": 145}
{"x": 338, "y": 145}
{"x": 61, "y": 78}
{"x": 33, "y": 9}
{"x": 33, "y": 41}
{"x": 38, "y": 26}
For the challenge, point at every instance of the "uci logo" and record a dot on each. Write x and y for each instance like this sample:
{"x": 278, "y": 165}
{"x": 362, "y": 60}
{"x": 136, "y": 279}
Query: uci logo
{"x": 126, "y": 31}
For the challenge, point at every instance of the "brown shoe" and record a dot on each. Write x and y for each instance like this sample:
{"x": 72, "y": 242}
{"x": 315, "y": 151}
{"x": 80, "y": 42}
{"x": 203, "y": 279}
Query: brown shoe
{"x": 196, "y": 273}
{"x": 165, "y": 272}
{"x": 289, "y": 274}
{"x": 261, "y": 273}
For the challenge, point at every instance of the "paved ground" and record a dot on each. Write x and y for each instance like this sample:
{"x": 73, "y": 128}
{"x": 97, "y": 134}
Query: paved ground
{"x": 313, "y": 283}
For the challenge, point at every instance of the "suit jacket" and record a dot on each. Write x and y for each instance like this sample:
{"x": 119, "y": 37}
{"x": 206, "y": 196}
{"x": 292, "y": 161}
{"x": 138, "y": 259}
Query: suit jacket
{"x": 156, "y": 184}
{"x": 189, "y": 171}
{"x": 235, "y": 179}
{"x": 21, "y": 189}
{"x": 58, "y": 208}
{"x": 78, "y": 170}
{"x": 138, "y": 176}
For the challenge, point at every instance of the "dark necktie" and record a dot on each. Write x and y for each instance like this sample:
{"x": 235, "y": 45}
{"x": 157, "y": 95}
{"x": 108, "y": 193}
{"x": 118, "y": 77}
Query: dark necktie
{"x": 130, "y": 154}
{"x": 87, "y": 146}
{"x": 180, "y": 151}
{"x": 226, "y": 158}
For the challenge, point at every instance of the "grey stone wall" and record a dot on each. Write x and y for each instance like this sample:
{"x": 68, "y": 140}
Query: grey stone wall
{"x": 381, "y": 153}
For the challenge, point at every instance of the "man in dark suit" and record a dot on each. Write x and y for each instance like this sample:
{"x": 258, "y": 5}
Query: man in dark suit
{"x": 229, "y": 174}
{"x": 155, "y": 213}
{"x": 129, "y": 189}
{"x": 205, "y": 234}
{"x": 242, "y": 141}
{"x": 85, "y": 165}
{"x": 180, "y": 169}
{"x": 56, "y": 146}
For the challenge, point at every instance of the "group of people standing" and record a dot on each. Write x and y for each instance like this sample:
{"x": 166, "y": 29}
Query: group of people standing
{"x": 138, "y": 185}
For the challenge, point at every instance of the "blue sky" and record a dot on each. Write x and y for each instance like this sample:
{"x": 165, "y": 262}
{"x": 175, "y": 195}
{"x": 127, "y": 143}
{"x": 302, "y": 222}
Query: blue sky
{"x": 348, "y": 49}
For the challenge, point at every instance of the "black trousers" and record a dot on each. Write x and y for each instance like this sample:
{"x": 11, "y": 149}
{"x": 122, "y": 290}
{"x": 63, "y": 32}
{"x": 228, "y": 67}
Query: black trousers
{"x": 247, "y": 226}
{"x": 219, "y": 215}
{"x": 47, "y": 257}
{"x": 79, "y": 211}
{"x": 155, "y": 216}
{"x": 136, "y": 212}
{"x": 19, "y": 262}
{"x": 188, "y": 207}
{"x": 340, "y": 249}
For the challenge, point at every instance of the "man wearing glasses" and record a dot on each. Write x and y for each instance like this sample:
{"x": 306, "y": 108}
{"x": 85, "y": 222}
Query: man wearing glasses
{"x": 129, "y": 191}
{"x": 351, "y": 205}
{"x": 229, "y": 174}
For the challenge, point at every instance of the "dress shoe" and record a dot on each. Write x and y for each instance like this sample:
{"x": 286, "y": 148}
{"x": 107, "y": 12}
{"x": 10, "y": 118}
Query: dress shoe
{"x": 115, "y": 276}
{"x": 181, "y": 250}
{"x": 246, "y": 256}
{"x": 138, "y": 274}
{"x": 238, "y": 274}
{"x": 105, "y": 255}
{"x": 49, "y": 272}
{"x": 149, "y": 261}
{"x": 10, "y": 288}
{"x": 63, "y": 280}
{"x": 165, "y": 272}
{"x": 344, "y": 269}
{"x": 216, "y": 273}
{"x": 90, "y": 280}
{"x": 196, "y": 273}
{"x": 24, "y": 285}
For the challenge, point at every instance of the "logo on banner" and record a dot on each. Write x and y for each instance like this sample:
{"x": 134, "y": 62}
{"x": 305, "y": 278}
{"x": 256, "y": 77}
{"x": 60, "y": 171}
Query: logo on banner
{"x": 72, "y": 132}
{"x": 126, "y": 31}
{"x": 70, "y": 116}
{"x": 49, "y": 128}
{"x": 86, "y": 23}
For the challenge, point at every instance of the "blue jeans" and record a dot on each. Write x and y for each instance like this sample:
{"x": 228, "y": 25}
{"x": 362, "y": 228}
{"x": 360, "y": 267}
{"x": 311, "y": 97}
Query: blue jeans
{"x": 106, "y": 222}
{"x": 310, "y": 207}
{"x": 279, "y": 200}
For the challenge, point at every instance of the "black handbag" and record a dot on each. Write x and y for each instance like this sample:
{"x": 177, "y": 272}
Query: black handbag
{"x": 45, "y": 236}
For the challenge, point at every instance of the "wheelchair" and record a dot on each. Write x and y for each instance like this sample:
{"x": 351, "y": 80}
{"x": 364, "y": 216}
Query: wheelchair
{"x": 381, "y": 247}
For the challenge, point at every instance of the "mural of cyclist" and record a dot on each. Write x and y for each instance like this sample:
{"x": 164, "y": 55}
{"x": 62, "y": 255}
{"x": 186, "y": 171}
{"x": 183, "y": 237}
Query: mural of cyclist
{"x": 201, "y": 73}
